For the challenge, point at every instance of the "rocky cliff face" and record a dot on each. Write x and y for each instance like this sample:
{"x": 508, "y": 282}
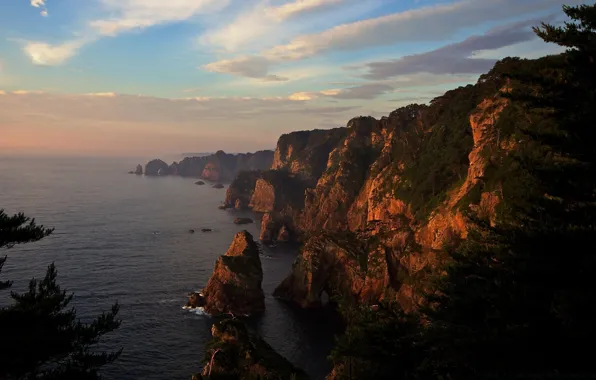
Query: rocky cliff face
{"x": 305, "y": 153}
{"x": 236, "y": 352}
{"x": 218, "y": 167}
{"x": 394, "y": 195}
{"x": 235, "y": 286}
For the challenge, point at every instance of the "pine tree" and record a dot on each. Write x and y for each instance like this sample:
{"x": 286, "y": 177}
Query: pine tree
{"x": 519, "y": 297}
{"x": 41, "y": 335}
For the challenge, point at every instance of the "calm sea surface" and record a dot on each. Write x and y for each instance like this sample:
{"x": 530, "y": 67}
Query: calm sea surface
{"x": 124, "y": 238}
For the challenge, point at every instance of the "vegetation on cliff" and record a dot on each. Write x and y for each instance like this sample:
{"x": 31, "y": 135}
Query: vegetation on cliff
{"x": 42, "y": 338}
{"x": 516, "y": 298}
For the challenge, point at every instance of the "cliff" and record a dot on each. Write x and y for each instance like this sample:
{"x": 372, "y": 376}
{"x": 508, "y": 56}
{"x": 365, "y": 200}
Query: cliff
{"x": 217, "y": 167}
{"x": 236, "y": 352}
{"x": 299, "y": 160}
{"x": 394, "y": 195}
{"x": 235, "y": 285}
{"x": 305, "y": 153}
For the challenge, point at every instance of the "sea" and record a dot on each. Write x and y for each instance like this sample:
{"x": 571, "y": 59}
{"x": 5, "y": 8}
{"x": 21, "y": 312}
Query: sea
{"x": 125, "y": 238}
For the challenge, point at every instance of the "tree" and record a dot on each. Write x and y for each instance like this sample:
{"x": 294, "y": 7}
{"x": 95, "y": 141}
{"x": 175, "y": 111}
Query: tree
{"x": 379, "y": 343}
{"x": 18, "y": 229}
{"x": 519, "y": 296}
{"x": 41, "y": 335}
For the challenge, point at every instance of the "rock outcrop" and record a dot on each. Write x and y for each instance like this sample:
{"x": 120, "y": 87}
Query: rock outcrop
{"x": 220, "y": 166}
{"x": 243, "y": 221}
{"x": 235, "y": 286}
{"x": 157, "y": 168}
{"x": 236, "y": 352}
{"x": 139, "y": 170}
{"x": 241, "y": 189}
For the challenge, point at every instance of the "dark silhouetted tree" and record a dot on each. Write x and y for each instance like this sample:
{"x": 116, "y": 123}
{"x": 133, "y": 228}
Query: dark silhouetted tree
{"x": 41, "y": 335}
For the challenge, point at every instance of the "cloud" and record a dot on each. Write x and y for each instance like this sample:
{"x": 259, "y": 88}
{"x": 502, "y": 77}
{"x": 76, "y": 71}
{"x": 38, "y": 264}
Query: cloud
{"x": 26, "y": 92}
{"x": 298, "y": 7}
{"x": 261, "y": 22}
{"x": 428, "y": 23}
{"x": 300, "y": 96}
{"x": 457, "y": 58}
{"x": 102, "y": 94}
{"x": 245, "y": 66}
{"x": 65, "y": 123}
{"x": 45, "y": 54}
{"x": 40, "y": 4}
{"x": 140, "y": 14}
{"x": 365, "y": 92}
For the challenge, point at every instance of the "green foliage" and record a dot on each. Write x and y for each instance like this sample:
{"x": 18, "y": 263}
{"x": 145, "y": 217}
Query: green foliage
{"x": 434, "y": 163}
{"x": 41, "y": 335}
{"x": 518, "y": 297}
{"x": 377, "y": 343}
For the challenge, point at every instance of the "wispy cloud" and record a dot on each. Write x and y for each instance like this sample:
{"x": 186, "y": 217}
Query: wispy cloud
{"x": 428, "y": 23}
{"x": 261, "y": 21}
{"x": 248, "y": 66}
{"x": 457, "y": 58}
{"x": 299, "y": 7}
{"x": 141, "y": 14}
{"x": 364, "y": 91}
{"x": 125, "y": 15}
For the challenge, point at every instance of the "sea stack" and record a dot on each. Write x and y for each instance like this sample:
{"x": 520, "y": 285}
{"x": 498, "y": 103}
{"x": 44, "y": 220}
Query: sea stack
{"x": 235, "y": 285}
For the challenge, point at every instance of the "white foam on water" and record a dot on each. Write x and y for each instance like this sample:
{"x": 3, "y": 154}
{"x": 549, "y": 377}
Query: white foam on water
{"x": 195, "y": 310}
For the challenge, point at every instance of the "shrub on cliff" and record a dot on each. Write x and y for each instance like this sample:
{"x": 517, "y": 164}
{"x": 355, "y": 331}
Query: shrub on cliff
{"x": 519, "y": 297}
{"x": 41, "y": 335}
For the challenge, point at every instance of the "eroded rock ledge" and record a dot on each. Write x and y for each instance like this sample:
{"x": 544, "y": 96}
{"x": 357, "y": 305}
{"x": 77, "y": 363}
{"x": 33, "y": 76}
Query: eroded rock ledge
{"x": 236, "y": 352}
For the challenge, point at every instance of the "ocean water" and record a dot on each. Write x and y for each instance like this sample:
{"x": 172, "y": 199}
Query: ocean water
{"x": 124, "y": 238}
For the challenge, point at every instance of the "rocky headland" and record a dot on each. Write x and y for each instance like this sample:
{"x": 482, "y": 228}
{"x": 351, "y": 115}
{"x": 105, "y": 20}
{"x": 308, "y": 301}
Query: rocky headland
{"x": 376, "y": 203}
{"x": 217, "y": 167}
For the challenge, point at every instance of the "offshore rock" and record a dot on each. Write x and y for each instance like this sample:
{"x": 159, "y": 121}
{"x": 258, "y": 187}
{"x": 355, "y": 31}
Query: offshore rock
{"x": 235, "y": 285}
{"x": 156, "y": 168}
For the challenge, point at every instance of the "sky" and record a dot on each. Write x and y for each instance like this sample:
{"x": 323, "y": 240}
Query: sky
{"x": 151, "y": 77}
